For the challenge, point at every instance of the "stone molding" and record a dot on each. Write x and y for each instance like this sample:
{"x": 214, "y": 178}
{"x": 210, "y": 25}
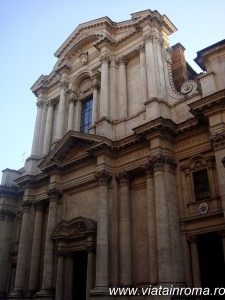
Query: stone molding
{"x": 103, "y": 177}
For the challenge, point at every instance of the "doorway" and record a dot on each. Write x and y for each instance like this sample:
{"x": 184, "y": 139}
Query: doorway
{"x": 79, "y": 275}
{"x": 211, "y": 260}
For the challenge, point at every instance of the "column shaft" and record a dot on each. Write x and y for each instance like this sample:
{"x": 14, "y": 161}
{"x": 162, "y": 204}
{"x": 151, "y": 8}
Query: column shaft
{"x": 163, "y": 234}
{"x": 150, "y": 67}
{"x": 122, "y": 89}
{"x": 152, "y": 236}
{"x": 22, "y": 252}
{"x": 144, "y": 84}
{"x": 59, "y": 278}
{"x": 47, "y": 280}
{"x": 48, "y": 128}
{"x": 102, "y": 232}
{"x": 95, "y": 105}
{"x": 36, "y": 248}
{"x": 61, "y": 111}
{"x": 125, "y": 246}
{"x": 90, "y": 277}
{"x": 42, "y": 130}
{"x": 161, "y": 77}
{"x": 71, "y": 114}
{"x": 104, "y": 99}
{"x": 37, "y": 127}
{"x": 68, "y": 292}
{"x": 77, "y": 115}
{"x": 195, "y": 262}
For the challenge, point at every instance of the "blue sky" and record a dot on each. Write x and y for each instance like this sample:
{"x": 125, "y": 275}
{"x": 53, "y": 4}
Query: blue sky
{"x": 32, "y": 30}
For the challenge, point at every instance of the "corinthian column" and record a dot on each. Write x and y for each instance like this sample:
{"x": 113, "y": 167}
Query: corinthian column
{"x": 162, "y": 221}
{"x": 122, "y": 88}
{"x": 101, "y": 284}
{"x": 125, "y": 255}
{"x": 40, "y": 105}
{"x": 150, "y": 65}
{"x": 48, "y": 128}
{"x": 104, "y": 99}
{"x": 152, "y": 231}
{"x": 144, "y": 85}
{"x": 22, "y": 252}
{"x": 36, "y": 247}
{"x": 47, "y": 280}
{"x": 95, "y": 87}
{"x": 72, "y": 100}
{"x": 61, "y": 111}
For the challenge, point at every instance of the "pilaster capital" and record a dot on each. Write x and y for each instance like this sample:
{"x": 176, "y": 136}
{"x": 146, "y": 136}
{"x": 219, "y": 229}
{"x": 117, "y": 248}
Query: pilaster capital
{"x": 54, "y": 194}
{"x": 105, "y": 58}
{"x": 26, "y": 206}
{"x": 103, "y": 177}
{"x": 172, "y": 164}
{"x": 64, "y": 84}
{"x": 61, "y": 253}
{"x": 72, "y": 96}
{"x": 7, "y": 215}
{"x": 121, "y": 60}
{"x": 221, "y": 233}
{"x": 149, "y": 38}
{"x": 218, "y": 141}
{"x": 123, "y": 178}
{"x": 141, "y": 48}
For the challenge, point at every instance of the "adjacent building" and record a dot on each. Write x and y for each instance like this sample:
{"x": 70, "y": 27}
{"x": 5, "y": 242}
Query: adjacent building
{"x": 125, "y": 184}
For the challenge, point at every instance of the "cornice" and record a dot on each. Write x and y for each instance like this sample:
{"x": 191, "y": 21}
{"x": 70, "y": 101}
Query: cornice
{"x": 208, "y": 102}
{"x": 9, "y": 191}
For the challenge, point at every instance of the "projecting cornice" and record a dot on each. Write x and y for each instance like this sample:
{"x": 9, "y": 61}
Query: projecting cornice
{"x": 208, "y": 103}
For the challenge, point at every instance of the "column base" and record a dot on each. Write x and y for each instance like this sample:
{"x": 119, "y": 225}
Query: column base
{"x": 46, "y": 294}
{"x": 16, "y": 294}
{"x": 100, "y": 293}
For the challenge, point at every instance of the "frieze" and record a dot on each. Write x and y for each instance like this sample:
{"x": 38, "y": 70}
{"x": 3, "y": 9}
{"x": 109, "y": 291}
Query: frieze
{"x": 130, "y": 157}
{"x": 191, "y": 142}
{"x": 78, "y": 173}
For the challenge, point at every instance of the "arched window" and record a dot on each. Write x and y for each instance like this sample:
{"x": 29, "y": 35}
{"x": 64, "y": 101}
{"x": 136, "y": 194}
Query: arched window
{"x": 86, "y": 115}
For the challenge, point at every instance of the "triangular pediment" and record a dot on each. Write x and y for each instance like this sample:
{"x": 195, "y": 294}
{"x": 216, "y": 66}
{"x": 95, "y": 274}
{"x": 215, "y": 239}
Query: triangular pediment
{"x": 72, "y": 147}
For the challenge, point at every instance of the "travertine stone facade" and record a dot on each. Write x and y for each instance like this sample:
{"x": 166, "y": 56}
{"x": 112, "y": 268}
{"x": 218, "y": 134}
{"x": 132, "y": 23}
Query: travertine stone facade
{"x": 125, "y": 183}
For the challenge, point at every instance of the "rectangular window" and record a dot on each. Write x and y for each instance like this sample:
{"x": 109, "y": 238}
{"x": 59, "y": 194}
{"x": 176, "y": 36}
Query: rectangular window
{"x": 86, "y": 115}
{"x": 201, "y": 185}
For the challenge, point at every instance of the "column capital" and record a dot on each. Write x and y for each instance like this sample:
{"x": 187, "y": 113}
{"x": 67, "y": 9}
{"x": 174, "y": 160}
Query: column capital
{"x": 39, "y": 205}
{"x": 192, "y": 238}
{"x": 148, "y": 168}
{"x": 40, "y": 103}
{"x": 121, "y": 60}
{"x": 26, "y": 206}
{"x": 141, "y": 48}
{"x": 158, "y": 161}
{"x": 64, "y": 84}
{"x": 218, "y": 141}
{"x": 221, "y": 233}
{"x": 61, "y": 253}
{"x": 123, "y": 178}
{"x": 72, "y": 96}
{"x": 103, "y": 177}
{"x": 105, "y": 58}
{"x": 149, "y": 38}
{"x": 50, "y": 102}
{"x": 54, "y": 193}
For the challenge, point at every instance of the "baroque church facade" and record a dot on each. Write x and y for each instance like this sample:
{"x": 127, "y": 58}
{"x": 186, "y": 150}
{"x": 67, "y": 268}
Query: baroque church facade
{"x": 125, "y": 184}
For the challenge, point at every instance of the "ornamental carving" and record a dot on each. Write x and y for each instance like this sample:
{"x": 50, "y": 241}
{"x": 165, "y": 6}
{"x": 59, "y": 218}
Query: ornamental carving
{"x": 148, "y": 168}
{"x": 7, "y": 215}
{"x": 189, "y": 87}
{"x": 39, "y": 205}
{"x": 103, "y": 177}
{"x": 168, "y": 54}
{"x": 149, "y": 38}
{"x": 123, "y": 178}
{"x": 158, "y": 161}
{"x": 79, "y": 228}
{"x": 83, "y": 56}
{"x": 171, "y": 163}
{"x": 192, "y": 238}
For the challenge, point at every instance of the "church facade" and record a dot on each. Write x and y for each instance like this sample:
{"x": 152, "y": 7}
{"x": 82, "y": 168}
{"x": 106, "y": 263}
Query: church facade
{"x": 125, "y": 185}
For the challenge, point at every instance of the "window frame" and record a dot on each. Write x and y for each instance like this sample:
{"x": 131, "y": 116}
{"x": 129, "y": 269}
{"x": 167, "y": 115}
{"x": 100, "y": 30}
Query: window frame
{"x": 86, "y": 125}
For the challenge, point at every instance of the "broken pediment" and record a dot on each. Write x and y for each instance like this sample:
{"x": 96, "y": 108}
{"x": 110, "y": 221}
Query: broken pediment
{"x": 73, "y": 146}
